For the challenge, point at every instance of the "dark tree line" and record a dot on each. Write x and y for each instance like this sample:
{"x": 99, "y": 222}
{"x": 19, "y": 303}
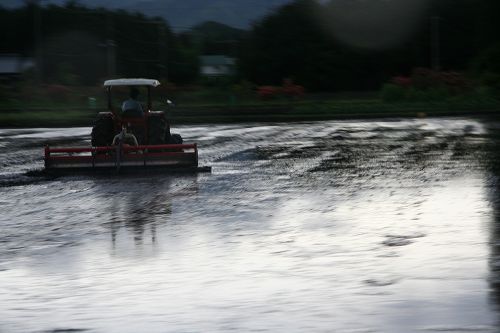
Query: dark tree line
{"x": 85, "y": 45}
{"x": 356, "y": 45}
{"x": 336, "y": 45}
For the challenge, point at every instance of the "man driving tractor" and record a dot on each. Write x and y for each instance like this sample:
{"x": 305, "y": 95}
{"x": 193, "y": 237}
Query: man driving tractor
{"x": 131, "y": 107}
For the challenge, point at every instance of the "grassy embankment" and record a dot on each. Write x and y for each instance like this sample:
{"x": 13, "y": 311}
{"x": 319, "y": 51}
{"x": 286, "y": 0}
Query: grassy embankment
{"x": 81, "y": 113}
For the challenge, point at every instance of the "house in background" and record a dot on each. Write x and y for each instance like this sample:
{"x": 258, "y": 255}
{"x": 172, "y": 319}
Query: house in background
{"x": 216, "y": 65}
{"x": 13, "y": 65}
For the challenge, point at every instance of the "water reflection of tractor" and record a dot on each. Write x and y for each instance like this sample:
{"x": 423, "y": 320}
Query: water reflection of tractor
{"x": 130, "y": 136}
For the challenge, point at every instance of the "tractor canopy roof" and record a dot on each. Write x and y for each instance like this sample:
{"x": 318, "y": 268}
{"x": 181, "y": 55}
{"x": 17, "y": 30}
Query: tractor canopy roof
{"x": 132, "y": 82}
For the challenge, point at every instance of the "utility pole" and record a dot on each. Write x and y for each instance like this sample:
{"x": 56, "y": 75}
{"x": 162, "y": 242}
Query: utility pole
{"x": 38, "y": 44}
{"x": 111, "y": 57}
{"x": 435, "y": 43}
{"x": 162, "y": 52}
{"x": 110, "y": 47}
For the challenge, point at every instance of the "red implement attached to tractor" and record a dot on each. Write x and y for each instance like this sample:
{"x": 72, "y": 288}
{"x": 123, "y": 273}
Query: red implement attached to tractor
{"x": 128, "y": 138}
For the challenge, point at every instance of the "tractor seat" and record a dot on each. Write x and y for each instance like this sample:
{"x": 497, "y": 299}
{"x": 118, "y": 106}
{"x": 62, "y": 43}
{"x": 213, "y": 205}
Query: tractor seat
{"x": 132, "y": 113}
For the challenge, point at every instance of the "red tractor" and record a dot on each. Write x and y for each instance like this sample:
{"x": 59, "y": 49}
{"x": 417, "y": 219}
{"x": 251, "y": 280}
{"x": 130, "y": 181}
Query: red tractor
{"x": 131, "y": 136}
{"x": 149, "y": 127}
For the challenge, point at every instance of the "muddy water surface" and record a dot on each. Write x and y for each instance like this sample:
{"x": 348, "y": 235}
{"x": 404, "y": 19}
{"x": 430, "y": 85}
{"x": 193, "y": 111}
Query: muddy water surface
{"x": 382, "y": 226}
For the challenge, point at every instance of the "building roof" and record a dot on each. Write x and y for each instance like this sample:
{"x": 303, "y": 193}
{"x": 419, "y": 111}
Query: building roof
{"x": 15, "y": 64}
{"x": 132, "y": 82}
{"x": 216, "y": 60}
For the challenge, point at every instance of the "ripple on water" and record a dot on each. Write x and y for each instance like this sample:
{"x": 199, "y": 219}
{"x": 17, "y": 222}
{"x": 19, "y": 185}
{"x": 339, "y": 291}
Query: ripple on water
{"x": 401, "y": 240}
{"x": 480, "y": 328}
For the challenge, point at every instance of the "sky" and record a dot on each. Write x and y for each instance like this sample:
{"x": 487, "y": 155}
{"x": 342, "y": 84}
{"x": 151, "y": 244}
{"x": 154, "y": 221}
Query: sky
{"x": 186, "y": 13}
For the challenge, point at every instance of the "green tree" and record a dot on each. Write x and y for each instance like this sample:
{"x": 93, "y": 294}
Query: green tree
{"x": 89, "y": 41}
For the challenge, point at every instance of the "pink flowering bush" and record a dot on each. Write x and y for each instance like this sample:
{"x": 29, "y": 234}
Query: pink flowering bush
{"x": 268, "y": 92}
{"x": 57, "y": 92}
{"x": 425, "y": 84}
{"x": 402, "y": 81}
{"x": 288, "y": 89}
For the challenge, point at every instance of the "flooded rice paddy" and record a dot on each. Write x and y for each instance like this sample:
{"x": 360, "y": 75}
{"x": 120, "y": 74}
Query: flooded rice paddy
{"x": 340, "y": 226}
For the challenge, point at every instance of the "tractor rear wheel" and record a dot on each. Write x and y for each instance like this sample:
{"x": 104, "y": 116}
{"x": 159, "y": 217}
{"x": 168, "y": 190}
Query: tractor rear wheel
{"x": 157, "y": 127}
{"x": 103, "y": 131}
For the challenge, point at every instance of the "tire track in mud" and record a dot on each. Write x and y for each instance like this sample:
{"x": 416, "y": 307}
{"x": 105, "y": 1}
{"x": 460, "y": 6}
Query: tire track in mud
{"x": 298, "y": 149}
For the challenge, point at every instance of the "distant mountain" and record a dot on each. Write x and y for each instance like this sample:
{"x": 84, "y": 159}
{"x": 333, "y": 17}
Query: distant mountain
{"x": 11, "y": 3}
{"x": 183, "y": 14}
{"x": 213, "y": 38}
{"x": 217, "y": 31}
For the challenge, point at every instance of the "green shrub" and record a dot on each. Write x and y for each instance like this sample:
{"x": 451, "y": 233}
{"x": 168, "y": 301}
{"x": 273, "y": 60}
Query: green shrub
{"x": 437, "y": 94}
{"x": 416, "y": 95}
{"x": 485, "y": 92}
{"x": 66, "y": 75}
{"x": 492, "y": 80}
{"x": 393, "y": 93}
{"x": 217, "y": 81}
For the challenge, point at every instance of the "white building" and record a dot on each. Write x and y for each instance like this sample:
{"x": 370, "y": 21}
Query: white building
{"x": 216, "y": 65}
{"x": 14, "y": 65}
